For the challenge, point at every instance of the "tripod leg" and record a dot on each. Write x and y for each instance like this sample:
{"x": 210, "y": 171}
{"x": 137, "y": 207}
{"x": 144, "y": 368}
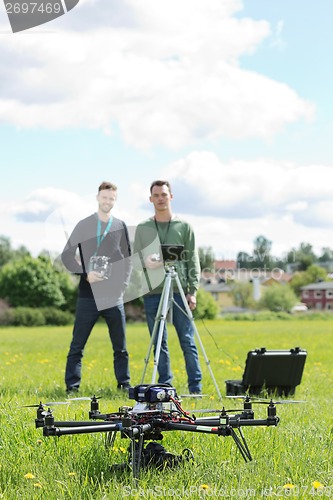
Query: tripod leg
{"x": 158, "y": 329}
{"x": 189, "y": 314}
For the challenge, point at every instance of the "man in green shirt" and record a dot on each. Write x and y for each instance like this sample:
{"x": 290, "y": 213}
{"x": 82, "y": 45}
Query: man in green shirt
{"x": 166, "y": 228}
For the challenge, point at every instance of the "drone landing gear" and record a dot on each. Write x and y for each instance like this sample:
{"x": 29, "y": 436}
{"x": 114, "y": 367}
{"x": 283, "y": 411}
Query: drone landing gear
{"x": 241, "y": 444}
{"x": 151, "y": 455}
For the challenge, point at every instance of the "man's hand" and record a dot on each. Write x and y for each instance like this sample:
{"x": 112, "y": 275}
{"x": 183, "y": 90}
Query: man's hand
{"x": 152, "y": 263}
{"x": 94, "y": 277}
{"x": 192, "y": 301}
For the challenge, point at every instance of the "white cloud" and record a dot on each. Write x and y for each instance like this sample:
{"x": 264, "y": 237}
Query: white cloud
{"x": 228, "y": 204}
{"x": 165, "y": 76}
{"x": 40, "y": 204}
{"x": 251, "y": 189}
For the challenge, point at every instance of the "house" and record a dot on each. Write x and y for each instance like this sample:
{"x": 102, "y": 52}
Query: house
{"x": 220, "y": 292}
{"x": 218, "y": 281}
{"x": 318, "y": 296}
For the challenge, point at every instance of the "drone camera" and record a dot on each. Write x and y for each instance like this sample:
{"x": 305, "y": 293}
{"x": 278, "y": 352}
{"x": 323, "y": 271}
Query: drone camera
{"x": 152, "y": 393}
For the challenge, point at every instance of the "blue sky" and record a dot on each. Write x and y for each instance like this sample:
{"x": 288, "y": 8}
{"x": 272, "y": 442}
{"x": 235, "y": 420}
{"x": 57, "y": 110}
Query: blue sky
{"x": 229, "y": 100}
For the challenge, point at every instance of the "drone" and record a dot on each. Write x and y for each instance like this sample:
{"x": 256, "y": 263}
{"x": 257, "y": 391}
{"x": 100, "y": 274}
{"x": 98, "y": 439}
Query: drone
{"x": 157, "y": 409}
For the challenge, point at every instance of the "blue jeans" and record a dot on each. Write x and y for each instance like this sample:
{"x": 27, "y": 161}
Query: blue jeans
{"x": 86, "y": 316}
{"x": 185, "y": 332}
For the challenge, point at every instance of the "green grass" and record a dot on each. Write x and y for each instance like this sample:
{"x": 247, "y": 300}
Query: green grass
{"x": 297, "y": 452}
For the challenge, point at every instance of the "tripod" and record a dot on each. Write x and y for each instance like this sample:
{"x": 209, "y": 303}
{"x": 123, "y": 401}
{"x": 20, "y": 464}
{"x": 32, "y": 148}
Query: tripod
{"x": 165, "y": 303}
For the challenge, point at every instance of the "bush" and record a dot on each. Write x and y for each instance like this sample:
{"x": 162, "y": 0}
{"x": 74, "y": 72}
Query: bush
{"x": 57, "y": 317}
{"x": 29, "y": 316}
{"x": 23, "y": 316}
{"x": 278, "y": 298}
{"x": 206, "y": 308}
{"x": 30, "y": 282}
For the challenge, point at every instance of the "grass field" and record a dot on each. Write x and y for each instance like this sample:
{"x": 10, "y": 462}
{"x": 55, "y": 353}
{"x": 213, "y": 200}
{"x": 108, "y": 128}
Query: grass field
{"x": 293, "y": 459}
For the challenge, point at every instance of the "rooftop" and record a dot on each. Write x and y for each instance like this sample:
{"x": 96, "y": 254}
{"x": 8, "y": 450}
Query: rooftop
{"x": 322, "y": 285}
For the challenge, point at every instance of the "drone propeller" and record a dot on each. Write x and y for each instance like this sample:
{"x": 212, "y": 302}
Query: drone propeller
{"x": 140, "y": 412}
{"x": 52, "y": 403}
{"x": 193, "y": 395}
{"x": 248, "y": 399}
{"x": 221, "y": 410}
{"x": 206, "y": 410}
{"x": 84, "y": 398}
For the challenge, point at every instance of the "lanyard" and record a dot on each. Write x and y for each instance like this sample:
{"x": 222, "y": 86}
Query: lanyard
{"x": 166, "y": 233}
{"x": 100, "y": 237}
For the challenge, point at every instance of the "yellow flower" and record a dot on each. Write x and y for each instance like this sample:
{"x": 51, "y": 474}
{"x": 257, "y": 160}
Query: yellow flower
{"x": 29, "y": 476}
{"x": 317, "y": 485}
{"x": 37, "y": 485}
{"x": 204, "y": 487}
{"x": 39, "y": 441}
{"x": 289, "y": 486}
{"x": 72, "y": 474}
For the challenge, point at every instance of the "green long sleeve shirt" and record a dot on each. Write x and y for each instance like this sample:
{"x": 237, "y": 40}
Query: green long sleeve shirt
{"x": 147, "y": 241}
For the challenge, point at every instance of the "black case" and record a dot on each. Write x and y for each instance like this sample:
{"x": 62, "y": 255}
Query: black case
{"x": 272, "y": 371}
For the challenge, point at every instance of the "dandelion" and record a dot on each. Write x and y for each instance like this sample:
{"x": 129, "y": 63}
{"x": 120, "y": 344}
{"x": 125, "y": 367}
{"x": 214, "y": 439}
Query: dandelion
{"x": 39, "y": 442}
{"x": 72, "y": 474}
{"x": 204, "y": 487}
{"x": 288, "y": 486}
{"x": 29, "y": 475}
{"x": 37, "y": 485}
{"x": 317, "y": 485}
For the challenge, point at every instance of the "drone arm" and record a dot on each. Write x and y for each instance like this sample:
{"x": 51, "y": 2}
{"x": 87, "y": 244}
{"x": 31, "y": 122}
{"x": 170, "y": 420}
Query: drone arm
{"x": 81, "y": 429}
{"x": 174, "y": 426}
{"x": 237, "y": 422}
{"x": 267, "y": 422}
{"x": 77, "y": 423}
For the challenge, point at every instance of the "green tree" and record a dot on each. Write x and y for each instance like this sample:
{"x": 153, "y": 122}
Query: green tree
{"x": 262, "y": 253}
{"x": 206, "y": 308}
{"x": 242, "y": 294}
{"x": 34, "y": 282}
{"x": 261, "y": 258}
{"x": 7, "y": 253}
{"x": 5, "y": 250}
{"x": 313, "y": 274}
{"x": 207, "y": 258}
{"x": 278, "y": 298}
{"x": 244, "y": 260}
{"x": 327, "y": 255}
{"x": 304, "y": 256}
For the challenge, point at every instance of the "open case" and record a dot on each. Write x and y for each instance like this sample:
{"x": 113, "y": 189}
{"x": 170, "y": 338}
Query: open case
{"x": 273, "y": 371}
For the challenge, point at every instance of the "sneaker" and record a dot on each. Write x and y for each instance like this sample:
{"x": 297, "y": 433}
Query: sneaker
{"x": 126, "y": 386}
{"x": 72, "y": 390}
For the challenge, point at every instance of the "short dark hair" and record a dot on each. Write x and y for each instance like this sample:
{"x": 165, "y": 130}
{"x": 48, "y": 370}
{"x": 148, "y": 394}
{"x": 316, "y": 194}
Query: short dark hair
{"x": 107, "y": 185}
{"x": 160, "y": 183}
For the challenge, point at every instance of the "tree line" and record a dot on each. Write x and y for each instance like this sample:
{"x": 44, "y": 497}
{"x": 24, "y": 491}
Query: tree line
{"x": 39, "y": 291}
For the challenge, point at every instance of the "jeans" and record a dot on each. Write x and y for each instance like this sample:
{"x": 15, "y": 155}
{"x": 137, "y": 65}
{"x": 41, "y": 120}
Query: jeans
{"x": 185, "y": 332}
{"x": 86, "y": 316}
